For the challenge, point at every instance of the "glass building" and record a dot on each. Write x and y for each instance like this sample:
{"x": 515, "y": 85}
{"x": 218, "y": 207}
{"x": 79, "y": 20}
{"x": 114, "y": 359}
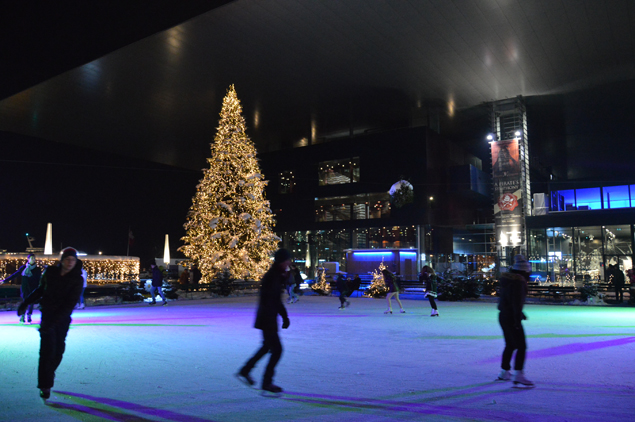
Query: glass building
{"x": 585, "y": 230}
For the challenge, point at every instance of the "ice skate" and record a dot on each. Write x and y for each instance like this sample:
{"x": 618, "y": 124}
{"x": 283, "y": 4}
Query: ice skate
{"x": 347, "y": 304}
{"x": 504, "y": 376}
{"x": 521, "y": 382}
{"x": 28, "y": 319}
{"x": 271, "y": 388}
{"x": 434, "y": 313}
{"x": 402, "y": 311}
{"x": 388, "y": 311}
{"x": 245, "y": 378}
{"x": 152, "y": 303}
{"x": 164, "y": 303}
{"x": 22, "y": 319}
{"x": 45, "y": 394}
{"x": 341, "y": 308}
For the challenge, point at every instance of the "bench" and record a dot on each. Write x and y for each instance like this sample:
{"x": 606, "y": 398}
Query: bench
{"x": 552, "y": 291}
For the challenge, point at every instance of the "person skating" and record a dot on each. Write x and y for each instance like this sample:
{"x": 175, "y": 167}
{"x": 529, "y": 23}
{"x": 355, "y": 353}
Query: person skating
{"x": 30, "y": 275}
{"x": 58, "y": 293}
{"x": 294, "y": 279}
{"x": 342, "y": 288}
{"x": 429, "y": 279}
{"x": 157, "y": 284}
{"x": 393, "y": 290}
{"x": 269, "y": 307}
{"x": 81, "y": 304}
{"x": 513, "y": 290}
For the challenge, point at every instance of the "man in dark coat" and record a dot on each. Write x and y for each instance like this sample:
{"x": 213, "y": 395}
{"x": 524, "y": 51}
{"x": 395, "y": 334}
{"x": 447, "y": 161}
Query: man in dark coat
{"x": 342, "y": 288}
{"x": 618, "y": 281}
{"x": 270, "y": 306}
{"x": 157, "y": 284}
{"x": 58, "y": 293}
{"x": 30, "y": 275}
{"x": 513, "y": 291}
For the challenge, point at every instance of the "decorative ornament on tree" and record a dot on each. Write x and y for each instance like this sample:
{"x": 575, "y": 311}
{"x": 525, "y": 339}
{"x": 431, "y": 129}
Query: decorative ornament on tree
{"x": 229, "y": 227}
{"x": 401, "y": 193}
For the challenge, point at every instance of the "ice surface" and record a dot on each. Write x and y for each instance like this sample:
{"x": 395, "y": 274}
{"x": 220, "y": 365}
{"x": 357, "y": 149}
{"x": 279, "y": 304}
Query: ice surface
{"x": 176, "y": 363}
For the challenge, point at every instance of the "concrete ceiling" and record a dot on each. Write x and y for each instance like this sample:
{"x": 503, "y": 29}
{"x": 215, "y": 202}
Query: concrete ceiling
{"x": 307, "y": 68}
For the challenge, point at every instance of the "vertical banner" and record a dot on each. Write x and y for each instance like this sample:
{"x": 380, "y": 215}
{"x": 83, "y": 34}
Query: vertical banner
{"x": 508, "y": 193}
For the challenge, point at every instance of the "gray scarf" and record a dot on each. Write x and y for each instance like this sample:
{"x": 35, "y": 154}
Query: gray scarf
{"x": 27, "y": 269}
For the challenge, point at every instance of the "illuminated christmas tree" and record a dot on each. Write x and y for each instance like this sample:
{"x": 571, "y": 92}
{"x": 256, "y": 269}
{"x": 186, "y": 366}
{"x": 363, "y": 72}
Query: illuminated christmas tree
{"x": 321, "y": 286}
{"x": 377, "y": 286}
{"x": 229, "y": 225}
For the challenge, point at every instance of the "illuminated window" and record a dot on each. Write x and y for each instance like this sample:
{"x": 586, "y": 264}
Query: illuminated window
{"x": 354, "y": 207}
{"x": 338, "y": 172}
{"x": 287, "y": 182}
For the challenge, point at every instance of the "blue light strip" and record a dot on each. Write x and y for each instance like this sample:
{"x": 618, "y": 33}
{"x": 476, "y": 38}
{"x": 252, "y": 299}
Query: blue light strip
{"x": 408, "y": 253}
{"x": 372, "y": 253}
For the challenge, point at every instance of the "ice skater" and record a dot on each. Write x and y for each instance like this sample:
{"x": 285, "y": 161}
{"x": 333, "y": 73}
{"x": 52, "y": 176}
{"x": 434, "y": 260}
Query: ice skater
{"x": 157, "y": 284}
{"x": 269, "y": 307}
{"x": 295, "y": 279}
{"x": 429, "y": 279}
{"x": 29, "y": 274}
{"x": 513, "y": 290}
{"x": 58, "y": 293}
{"x": 81, "y": 304}
{"x": 342, "y": 288}
{"x": 393, "y": 290}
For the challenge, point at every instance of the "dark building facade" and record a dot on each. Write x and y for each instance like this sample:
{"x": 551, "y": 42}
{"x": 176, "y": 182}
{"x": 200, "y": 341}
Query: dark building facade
{"x": 331, "y": 198}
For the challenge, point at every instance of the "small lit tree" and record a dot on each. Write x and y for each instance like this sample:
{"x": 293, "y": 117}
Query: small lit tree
{"x": 321, "y": 286}
{"x": 377, "y": 286}
{"x": 229, "y": 226}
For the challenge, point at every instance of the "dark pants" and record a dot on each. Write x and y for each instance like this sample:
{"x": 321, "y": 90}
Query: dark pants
{"x": 270, "y": 343}
{"x": 514, "y": 340}
{"x": 53, "y": 332}
{"x": 432, "y": 302}
{"x": 619, "y": 295}
{"x": 342, "y": 298}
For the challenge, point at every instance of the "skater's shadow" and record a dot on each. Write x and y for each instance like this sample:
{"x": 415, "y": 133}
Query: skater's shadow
{"x": 569, "y": 349}
{"x": 115, "y": 410}
{"x": 419, "y": 405}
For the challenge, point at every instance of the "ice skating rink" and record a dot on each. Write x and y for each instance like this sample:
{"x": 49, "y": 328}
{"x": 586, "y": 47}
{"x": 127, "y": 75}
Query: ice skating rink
{"x": 176, "y": 363}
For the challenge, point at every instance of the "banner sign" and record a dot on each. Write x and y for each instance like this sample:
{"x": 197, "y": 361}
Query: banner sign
{"x": 508, "y": 193}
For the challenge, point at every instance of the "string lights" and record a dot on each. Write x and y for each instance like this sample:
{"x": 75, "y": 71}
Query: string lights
{"x": 229, "y": 225}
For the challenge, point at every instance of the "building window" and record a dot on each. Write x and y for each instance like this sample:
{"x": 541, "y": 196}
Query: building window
{"x": 287, "y": 182}
{"x": 354, "y": 207}
{"x": 338, "y": 172}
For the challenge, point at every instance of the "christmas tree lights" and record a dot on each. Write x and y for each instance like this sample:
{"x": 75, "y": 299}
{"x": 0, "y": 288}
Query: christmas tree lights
{"x": 229, "y": 225}
{"x": 377, "y": 286}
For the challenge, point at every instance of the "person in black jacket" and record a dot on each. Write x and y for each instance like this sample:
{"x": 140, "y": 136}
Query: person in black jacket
{"x": 513, "y": 291}
{"x": 30, "y": 274}
{"x": 157, "y": 284}
{"x": 342, "y": 288}
{"x": 269, "y": 307}
{"x": 429, "y": 279}
{"x": 58, "y": 292}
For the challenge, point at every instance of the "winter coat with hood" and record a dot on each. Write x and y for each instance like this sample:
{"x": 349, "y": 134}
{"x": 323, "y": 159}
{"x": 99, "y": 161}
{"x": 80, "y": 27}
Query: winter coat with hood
{"x": 270, "y": 304}
{"x": 58, "y": 294}
{"x": 513, "y": 291}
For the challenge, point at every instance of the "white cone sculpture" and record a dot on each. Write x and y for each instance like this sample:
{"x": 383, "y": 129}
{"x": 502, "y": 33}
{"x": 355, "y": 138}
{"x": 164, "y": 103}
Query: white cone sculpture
{"x": 166, "y": 251}
{"x": 48, "y": 245}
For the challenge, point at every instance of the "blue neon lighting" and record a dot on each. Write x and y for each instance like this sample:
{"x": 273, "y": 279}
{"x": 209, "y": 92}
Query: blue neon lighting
{"x": 372, "y": 253}
{"x": 408, "y": 253}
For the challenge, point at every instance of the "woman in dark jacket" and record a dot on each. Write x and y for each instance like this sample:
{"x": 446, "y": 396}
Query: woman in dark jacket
{"x": 393, "y": 290}
{"x": 58, "y": 293}
{"x": 429, "y": 279}
{"x": 30, "y": 274}
{"x": 269, "y": 307}
{"x": 513, "y": 290}
{"x": 342, "y": 288}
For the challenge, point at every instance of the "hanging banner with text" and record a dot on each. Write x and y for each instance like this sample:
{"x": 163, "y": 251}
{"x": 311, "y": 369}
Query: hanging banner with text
{"x": 508, "y": 193}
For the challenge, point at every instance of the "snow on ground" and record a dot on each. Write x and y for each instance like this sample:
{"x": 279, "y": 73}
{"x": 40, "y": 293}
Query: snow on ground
{"x": 176, "y": 363}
